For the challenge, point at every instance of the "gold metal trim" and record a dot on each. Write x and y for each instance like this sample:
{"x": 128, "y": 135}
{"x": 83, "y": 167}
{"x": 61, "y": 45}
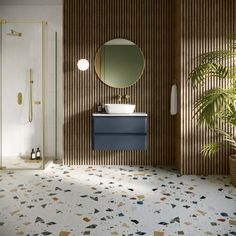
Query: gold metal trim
{"x": 14, "y": 33}
{"x": 3, "y": 21}
{"x": 43, "y": 86}
{"x": 7, "y": 169}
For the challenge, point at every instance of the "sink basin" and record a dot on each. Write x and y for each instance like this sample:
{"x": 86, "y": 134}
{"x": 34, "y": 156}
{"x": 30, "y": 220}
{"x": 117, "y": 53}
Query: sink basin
{"x": 119, "y": 108}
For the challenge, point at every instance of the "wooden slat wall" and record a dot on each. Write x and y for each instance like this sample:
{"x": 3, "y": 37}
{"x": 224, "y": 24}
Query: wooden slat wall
{"x": 87, "y": 25}
{"x": 204, "y": 26}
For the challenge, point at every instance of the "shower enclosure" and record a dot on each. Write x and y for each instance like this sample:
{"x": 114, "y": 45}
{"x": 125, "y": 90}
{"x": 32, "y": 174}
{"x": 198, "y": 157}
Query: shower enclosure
{"x": 25, "y": 50}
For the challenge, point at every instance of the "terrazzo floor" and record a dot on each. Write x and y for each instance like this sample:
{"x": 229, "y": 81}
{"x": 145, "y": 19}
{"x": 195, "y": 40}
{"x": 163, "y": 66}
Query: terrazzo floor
{"x": 114, "y": 200}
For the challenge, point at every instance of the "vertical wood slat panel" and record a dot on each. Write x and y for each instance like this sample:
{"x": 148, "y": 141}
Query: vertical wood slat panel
{"x": 204, "y": 26}
{"x": 87, "y": 25}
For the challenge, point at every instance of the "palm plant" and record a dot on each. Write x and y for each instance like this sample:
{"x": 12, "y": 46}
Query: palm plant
{"x": 216, "y": 108}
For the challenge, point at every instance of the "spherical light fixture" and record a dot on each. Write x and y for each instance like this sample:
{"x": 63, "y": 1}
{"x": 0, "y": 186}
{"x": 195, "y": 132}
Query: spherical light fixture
{"x": 83, "y": 64}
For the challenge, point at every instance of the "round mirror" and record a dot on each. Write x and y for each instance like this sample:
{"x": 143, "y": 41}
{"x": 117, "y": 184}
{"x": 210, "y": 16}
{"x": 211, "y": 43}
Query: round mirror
{"x": 119, "y": 63}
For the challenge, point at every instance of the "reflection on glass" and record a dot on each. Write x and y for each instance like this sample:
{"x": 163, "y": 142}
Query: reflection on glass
{"x": 119, "y": 63}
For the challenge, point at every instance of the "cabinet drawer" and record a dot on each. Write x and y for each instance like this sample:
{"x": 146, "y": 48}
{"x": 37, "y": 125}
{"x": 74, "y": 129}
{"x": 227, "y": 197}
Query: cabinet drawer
{"x": 119, "y": 142}
{"x": 117, "y": 124}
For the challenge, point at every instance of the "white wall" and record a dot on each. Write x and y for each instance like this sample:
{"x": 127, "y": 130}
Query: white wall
{"x": 53, "y": 15}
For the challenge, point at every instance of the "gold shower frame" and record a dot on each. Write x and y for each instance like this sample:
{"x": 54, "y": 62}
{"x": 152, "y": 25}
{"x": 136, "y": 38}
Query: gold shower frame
{"x": 43, "y": 24}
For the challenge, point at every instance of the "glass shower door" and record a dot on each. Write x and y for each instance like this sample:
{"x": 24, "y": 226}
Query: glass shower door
{"x": 22, "y": 95}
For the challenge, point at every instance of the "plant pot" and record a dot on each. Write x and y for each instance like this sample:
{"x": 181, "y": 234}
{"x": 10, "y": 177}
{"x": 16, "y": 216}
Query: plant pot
{"x": 232, "y": 169}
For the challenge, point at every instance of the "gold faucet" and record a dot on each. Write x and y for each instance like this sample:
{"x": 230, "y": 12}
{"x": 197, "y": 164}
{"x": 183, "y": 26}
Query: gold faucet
{"x": 118, "y": 97}
{"x": 126, "y": 97}
{"x": 30, "y": 96}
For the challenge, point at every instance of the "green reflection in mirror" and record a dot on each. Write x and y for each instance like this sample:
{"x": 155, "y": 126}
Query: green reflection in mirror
{"x": 119, "y": 63}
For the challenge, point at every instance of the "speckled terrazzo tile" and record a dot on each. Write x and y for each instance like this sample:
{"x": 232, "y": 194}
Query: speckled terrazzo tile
{"x": 115, "y": 200}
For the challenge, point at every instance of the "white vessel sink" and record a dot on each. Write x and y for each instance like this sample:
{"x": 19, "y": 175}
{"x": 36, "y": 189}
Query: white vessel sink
{"x": 119, "y": 108}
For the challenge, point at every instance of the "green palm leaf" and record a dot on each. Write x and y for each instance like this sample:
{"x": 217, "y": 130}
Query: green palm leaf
{"x": 217, "y": 106}
{"x": 209, "y": 107}
{"x": 207, "y": 70}
{"x": 229, "y": 138}
{"x": 210, "y": 149}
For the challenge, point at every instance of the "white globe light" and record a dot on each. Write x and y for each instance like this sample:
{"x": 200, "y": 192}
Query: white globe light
{"x": 83, "y": 64}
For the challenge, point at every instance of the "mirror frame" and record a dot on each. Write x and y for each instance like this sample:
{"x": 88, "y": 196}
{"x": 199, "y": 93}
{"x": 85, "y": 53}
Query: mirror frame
{"x": 141, "y": 74}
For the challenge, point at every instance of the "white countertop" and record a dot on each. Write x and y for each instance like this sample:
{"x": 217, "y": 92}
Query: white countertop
{"x": 121, "y": 114}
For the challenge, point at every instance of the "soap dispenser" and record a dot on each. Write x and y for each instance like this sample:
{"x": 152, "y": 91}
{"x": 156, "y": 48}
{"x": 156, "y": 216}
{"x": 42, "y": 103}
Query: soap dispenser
{"x": 33, "y": 155}
{"x": 99, "y": 108}
{"x": 38, "y": 155}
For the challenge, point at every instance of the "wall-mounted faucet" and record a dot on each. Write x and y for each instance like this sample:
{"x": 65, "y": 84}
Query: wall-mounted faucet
{"x": 118, "y": 97}
{"x": 126, "y": 97}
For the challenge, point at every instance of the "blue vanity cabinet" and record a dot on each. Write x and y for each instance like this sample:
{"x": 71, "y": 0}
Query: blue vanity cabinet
{"x": 119, "y": 132}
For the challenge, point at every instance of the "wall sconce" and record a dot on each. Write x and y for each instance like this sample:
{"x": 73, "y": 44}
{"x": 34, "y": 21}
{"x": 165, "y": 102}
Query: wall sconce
{"x": 173, "y": 100}
{"x": 83, "y": 64}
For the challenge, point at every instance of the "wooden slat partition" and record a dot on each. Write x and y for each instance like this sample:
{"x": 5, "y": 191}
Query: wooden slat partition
{"x": 87, "y": 25}
{"x": 204, "y": 26}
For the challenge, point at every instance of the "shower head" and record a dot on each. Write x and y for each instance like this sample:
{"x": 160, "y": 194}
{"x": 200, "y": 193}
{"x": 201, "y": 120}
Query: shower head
{"x": 14, "y": 33}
